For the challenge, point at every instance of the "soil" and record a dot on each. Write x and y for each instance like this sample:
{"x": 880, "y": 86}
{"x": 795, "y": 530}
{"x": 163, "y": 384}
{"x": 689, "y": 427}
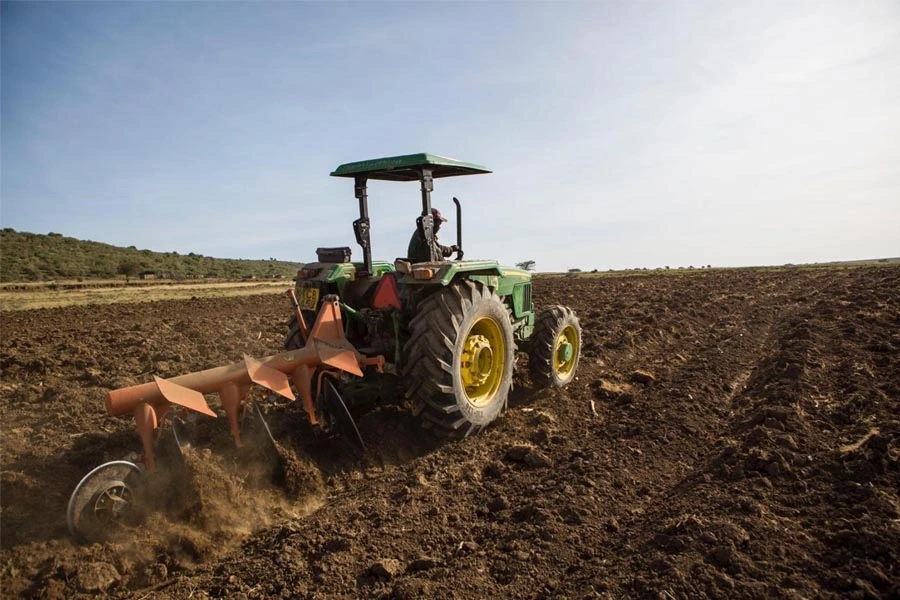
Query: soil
{"x": 731, "y": 433}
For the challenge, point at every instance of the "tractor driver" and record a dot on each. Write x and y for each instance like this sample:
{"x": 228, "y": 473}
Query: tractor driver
{"x": 418, "y": 246}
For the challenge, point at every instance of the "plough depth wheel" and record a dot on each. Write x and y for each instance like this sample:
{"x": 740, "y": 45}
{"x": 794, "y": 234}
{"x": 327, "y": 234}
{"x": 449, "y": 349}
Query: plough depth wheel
{"x": 106, "y": 501}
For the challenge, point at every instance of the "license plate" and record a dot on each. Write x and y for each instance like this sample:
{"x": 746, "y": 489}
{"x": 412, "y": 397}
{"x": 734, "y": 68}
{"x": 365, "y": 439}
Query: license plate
{"x": 309, "y": 298}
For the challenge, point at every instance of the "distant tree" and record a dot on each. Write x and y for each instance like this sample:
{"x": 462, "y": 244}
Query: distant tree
{"x": 129, "y": 269}
{"x": 526, "y": 265}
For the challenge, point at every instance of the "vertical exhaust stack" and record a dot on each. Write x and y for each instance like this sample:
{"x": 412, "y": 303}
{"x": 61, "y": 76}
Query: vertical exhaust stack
{"x": 459, "y": 253}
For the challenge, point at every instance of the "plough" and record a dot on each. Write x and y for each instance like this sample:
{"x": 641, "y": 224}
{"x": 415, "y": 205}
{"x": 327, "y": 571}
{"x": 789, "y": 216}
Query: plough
{"x": 106, "y": 498}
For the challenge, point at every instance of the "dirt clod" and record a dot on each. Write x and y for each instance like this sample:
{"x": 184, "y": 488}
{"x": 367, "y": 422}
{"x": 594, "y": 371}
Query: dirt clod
{"x": 723, "y": 555}
{"x": 528, "y": 456}
{"x": 385, "y": 568}
{"x": 642, "y": 377}
{"x": 96, "y": 577}
{"x": 423, "y": 563}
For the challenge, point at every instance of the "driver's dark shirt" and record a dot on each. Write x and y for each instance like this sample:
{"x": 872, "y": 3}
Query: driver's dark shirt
{"x": 418, "y": 248}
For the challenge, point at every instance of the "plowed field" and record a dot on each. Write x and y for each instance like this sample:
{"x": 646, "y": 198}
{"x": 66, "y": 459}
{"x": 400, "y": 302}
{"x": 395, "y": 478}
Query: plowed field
{"x": 731, "y": 434}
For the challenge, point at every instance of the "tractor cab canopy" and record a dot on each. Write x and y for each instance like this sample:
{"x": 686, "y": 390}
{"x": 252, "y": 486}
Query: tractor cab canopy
{"x": 421, "y": 167}
{"x": 409, "y": 167}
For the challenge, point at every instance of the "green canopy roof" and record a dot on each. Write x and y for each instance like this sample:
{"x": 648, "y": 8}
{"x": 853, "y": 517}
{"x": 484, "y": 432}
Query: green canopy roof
{"x": 407, "y": 167}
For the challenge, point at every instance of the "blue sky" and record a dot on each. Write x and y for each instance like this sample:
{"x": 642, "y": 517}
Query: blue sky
{"x": 620, "y": 134}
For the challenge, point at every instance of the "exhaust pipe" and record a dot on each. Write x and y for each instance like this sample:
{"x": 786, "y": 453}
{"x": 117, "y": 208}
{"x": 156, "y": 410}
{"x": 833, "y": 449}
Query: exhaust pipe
{"x": 459, "y": 253}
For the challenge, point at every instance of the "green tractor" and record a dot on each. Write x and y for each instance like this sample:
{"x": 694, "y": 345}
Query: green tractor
{"x": 448, "y": 329}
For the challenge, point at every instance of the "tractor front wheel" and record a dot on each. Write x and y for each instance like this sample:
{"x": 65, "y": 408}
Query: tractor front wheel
{"x": 555, "y": 347}
{"x": 459, "y": 359}
{"x": 294, "y": 340}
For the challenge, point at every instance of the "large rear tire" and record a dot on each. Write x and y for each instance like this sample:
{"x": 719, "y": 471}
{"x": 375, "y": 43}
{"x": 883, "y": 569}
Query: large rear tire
{"x": 555, "y": 347}
{"x": 459, "y": 359}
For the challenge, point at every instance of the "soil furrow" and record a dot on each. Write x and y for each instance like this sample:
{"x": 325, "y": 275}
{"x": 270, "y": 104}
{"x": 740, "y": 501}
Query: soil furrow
{"x": 730, "y": 434}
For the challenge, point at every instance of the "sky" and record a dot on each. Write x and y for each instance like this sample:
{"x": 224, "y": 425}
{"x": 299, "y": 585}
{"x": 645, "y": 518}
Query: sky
{"x": 620, "y": 134}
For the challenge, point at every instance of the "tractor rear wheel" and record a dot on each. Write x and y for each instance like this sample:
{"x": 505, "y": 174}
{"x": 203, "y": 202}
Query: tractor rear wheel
{"x": 555, "y": 347}
{"x": 460, "y": 358}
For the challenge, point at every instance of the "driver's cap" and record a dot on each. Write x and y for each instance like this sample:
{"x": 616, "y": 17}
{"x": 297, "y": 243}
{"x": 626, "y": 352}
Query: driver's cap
{"x": 437, "y": 215}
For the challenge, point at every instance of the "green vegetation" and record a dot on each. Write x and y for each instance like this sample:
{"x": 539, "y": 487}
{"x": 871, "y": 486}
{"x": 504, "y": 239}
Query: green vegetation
{"x": 37, "y": 257}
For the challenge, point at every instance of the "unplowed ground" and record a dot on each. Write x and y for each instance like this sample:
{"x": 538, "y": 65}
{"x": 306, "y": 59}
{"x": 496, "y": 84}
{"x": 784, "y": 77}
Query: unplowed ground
{"x": 731, "y": 434}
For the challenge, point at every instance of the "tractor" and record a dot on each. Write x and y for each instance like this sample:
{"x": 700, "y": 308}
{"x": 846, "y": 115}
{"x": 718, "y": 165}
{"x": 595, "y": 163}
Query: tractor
{"x": 449, "y": 328}
{"x": 441, "y": 333}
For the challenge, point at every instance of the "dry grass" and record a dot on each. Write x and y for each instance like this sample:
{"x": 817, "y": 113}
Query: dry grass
{"x": 44, "y": 297}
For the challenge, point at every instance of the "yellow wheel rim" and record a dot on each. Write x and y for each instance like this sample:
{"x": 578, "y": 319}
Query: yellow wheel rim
{"x": 565, "y": 354}
{"x": 481, "y": 363}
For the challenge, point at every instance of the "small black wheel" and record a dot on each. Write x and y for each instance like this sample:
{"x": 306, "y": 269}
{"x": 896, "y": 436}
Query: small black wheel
{"x": 555, "y": 347}
{"x": 105, "y": 502}
{"x": 293, "y": 340}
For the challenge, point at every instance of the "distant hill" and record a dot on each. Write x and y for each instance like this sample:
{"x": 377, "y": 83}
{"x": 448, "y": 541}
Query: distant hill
{"x": 38, "y": 257}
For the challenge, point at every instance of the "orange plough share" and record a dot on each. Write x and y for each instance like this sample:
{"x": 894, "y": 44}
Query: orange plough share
{"x": 325, "y": 346}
